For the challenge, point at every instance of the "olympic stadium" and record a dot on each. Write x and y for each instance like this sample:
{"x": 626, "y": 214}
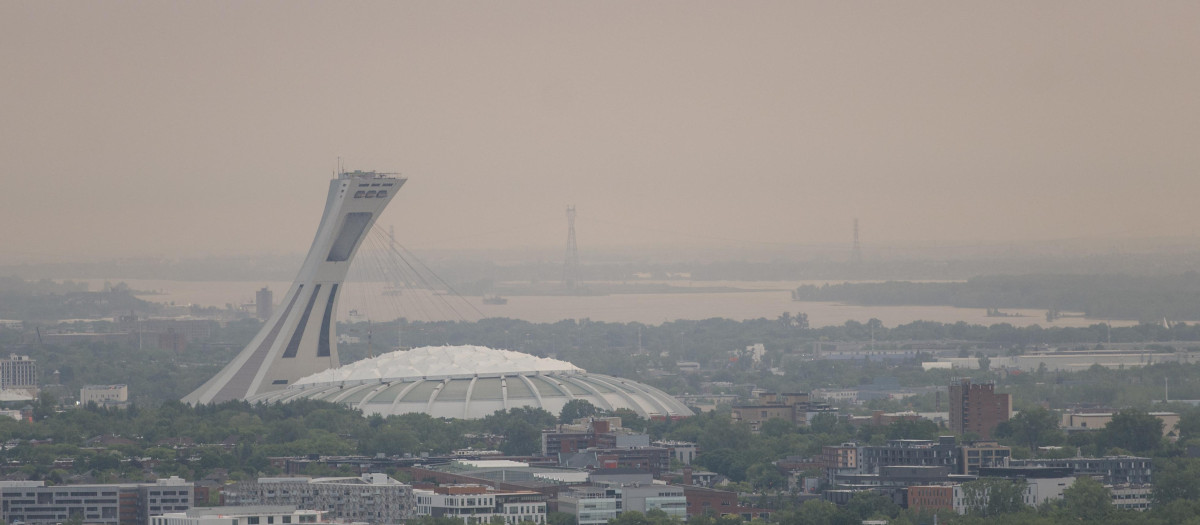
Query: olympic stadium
{"x": 471, "y": 382}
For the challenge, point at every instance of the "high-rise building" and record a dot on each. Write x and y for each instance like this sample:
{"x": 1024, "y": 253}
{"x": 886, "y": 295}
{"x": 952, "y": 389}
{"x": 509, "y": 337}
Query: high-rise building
{"x": 264, "y": 303}
{"x": 977, "y": 408}
{"x": 19, "y": 372}
{"x": 299, "y": 338}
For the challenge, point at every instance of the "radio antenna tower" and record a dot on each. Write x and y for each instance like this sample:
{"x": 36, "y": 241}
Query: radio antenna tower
{"x": 856, "y": 253}
{"x": 571, "y": 264}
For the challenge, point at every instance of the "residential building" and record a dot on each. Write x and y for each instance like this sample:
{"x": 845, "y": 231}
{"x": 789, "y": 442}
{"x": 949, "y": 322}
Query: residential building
{"x": 264, "y": 303}
{"x": 19, "y": 372}
{"x": 977, "y": 408}
{"x": 977, "y": 454}
{"x": 1110, "y": 470}
{"x": 1042, "y": 484}
{"x": 480, "y": 503}
{"x": 909, "y": 452}
{"x": 371, "y": 498}
{"x": 681, "y": 451}
{"x": 840, "y": 457}
{"x": 593, "y": 433}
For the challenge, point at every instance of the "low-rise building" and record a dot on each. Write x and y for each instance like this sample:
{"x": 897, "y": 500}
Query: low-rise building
{"x": 976, "y": 454}
{"x": 591, "y": 505}
{"x": 104, "y": 395}
{"x": 935, "y": 497}
{"x": 479, "y": 504}
{"x": 1097, "y": 420}
{"x": 1131, "y": 497}
{"x": 33, "y": 502}
{"x": 909, "y": 452}
{"x": 371, "y": 498}
{"x": 249, "y": 515}
{"x": 796, "y": 408}
{"x": 1110, "y": 470}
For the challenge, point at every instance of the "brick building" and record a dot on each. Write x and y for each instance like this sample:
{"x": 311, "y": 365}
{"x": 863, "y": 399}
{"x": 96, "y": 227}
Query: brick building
{"x": 933, "y": 497}
{"x": 977, "y": 408}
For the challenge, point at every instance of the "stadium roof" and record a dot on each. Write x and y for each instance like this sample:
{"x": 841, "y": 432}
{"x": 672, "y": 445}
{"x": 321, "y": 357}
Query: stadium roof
{"x": 472, "y": 382}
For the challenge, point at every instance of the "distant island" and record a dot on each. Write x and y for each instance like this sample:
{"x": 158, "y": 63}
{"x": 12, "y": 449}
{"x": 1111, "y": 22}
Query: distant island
{"x": 1128, "y": 297}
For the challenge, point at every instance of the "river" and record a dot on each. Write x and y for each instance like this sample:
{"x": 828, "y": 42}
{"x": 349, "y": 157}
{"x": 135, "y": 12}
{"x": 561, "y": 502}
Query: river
{"x": 372, "y": 301}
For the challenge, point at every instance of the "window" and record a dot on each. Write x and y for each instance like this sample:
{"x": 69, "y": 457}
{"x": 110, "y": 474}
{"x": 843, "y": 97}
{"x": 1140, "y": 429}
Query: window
{"x": 252, "y": 520}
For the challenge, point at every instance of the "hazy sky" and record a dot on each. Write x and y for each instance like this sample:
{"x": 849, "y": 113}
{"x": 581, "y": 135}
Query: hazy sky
{"x": 187, "y": 128}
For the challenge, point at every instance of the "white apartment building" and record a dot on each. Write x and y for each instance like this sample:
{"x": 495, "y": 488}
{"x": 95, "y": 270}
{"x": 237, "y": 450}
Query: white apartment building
{"x": 372, "y": 498}
{"x": 478, "y": 504}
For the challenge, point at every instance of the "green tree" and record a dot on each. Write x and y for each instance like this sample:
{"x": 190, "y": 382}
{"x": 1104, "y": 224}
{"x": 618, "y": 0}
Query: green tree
{"x": 1176, "y": 479}
{"x": 765, "y": 476}
{"x": 824, "y": 423}
{"x": 777, "y": 427}
{"x": 1032, "y": 428}
{"x": 560, "y": 518}
{"x": 993, "y": 496}
{"x": 869, "y": 504}
{"x": 1135, "y": 431}
{"x": 576, "y": 409}
{"x": 630, "y": 517}
{"x": 912, "y": 429}
{"x": 1087, "y": 499}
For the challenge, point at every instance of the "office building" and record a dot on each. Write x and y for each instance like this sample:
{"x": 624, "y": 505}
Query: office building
{"x": 32, "y": 502}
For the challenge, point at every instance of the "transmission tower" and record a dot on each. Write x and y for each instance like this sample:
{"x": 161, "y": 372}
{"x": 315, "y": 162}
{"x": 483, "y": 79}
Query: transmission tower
{"x": 571, "y": 264}
{"x": 856, "y": 253}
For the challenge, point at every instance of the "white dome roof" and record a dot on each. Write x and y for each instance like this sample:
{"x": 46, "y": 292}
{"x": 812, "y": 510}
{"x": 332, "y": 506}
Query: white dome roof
{"x": 438, "y": 362}
{"x": 472, "y": 382}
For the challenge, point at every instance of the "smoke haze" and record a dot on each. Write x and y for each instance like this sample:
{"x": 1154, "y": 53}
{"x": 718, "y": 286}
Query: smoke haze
{"x": 210, "y": 128}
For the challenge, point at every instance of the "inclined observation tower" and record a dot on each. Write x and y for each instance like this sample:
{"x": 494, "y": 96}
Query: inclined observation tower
{"x": 299, "y": 339}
